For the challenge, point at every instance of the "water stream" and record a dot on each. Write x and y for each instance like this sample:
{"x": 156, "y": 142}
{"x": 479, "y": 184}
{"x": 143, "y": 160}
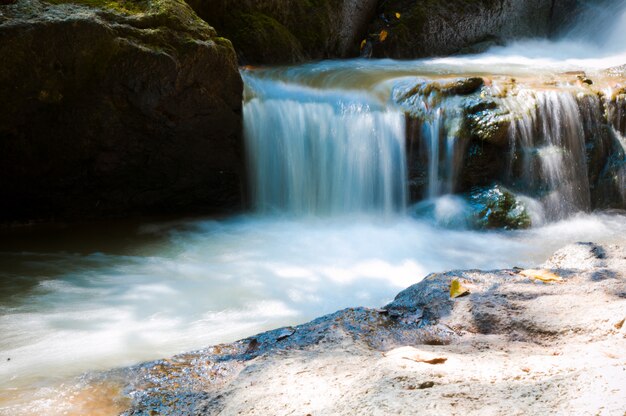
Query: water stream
{"x": 332, "y": 225}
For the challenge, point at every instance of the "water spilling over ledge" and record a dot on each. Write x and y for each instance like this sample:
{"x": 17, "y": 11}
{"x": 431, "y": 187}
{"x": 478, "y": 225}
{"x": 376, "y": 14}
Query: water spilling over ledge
{"x": 317, "y": 153}
{"x": 319, "y": 144}
{"x": 338, "y": 153}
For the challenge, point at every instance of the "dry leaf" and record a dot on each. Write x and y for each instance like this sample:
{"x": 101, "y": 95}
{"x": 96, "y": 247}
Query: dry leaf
{"x": 413, "y": 354}
{"x": 363, "y": 43}
{"x": 457, "y": 289}
{"x": 543, "y": 275}
{"x": 398, "y": 15}
{"x": 383, "y": 35}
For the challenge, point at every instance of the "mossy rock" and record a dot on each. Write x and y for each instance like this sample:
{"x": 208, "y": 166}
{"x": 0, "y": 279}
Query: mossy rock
{"x": 111, "y": 112}
{"x": 289, "y": 31}
{"x": 498, "y": 208}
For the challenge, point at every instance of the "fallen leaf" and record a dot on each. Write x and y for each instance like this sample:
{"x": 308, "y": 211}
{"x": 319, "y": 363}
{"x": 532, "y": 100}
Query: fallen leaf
{"x": 543, "y": 275}
{"x": 363, "y": 43}
{"x": 383, "y": 35}
{"x": 413, "y": 354}
{"x": 398, "y": 15}
{"x": 457, "y": 289}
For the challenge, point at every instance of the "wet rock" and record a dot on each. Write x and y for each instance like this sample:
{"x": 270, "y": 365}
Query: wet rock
{"x": 487, "y": 121}
{"x": 447, "y": 27}
{"x": 287, "y": 31}
{"x": 132, "y": 108}
{"x": 496, "y": 207}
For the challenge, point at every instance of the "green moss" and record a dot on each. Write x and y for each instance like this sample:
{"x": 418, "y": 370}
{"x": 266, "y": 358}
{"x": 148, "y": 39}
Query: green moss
{"x": 121, "y": 6}
{"x": 498, "y": 208}
{"x": 260, "y": 37}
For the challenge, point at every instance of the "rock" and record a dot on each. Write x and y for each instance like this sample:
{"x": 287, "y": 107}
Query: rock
{"x": 132, "y": 108}
{"x": 496, "y": 207}
{"x": 616, "y": 71}
{"x": 446, "y": 27}
{"x": 487, "y": 121}
{"x": 288, "y": 31}
{"x": 579, "y": 256}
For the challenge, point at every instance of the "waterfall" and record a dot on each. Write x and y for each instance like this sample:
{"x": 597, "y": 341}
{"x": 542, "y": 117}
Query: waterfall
{"x": 317, "y": 146}
{"x": 323, "y": 152}
{"x": 548, "y": 151}
{"x": 436, "y": 137}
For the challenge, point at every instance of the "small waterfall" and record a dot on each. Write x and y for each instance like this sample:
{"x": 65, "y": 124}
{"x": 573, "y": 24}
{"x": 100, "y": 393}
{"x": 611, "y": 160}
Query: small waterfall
{"x": 548, "y": 151}
{"x": 435, "y": 138}
{"x": 323, "y": 152}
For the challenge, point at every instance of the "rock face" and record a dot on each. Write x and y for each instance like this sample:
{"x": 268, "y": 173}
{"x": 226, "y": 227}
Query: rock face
{"x": 434, "y": 27}
{"x": 287, "y": 31}
{"x": 443, "y": 28}
{"x": 498, "y": 130}
{"x": 128, "y": 108}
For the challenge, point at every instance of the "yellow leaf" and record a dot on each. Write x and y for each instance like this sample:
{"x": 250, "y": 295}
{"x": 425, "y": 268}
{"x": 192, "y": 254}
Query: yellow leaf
{"x": 543, "y": 275}
{"x": 363, "y": 43}
{"x": 398, "y": 15}
{"x": 457, "y": 289}
{"x": 383, "y": 35}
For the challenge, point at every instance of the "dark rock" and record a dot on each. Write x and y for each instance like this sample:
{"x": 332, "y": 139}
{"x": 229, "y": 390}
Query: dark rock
{"x": 288, "y": 31}
{"x": 116, "y": 111}
{"x": 441, "y": 28}
{"x": 496, "y": 207}
{"x": 487, "y": 121}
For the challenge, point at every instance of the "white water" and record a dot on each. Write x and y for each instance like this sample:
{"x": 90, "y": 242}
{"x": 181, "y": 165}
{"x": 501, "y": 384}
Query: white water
{"x": 67, "y": 308}
{"x": 551, "y": 142}
{"x": 596, "y": 41}
{"x": 329, "y": 153}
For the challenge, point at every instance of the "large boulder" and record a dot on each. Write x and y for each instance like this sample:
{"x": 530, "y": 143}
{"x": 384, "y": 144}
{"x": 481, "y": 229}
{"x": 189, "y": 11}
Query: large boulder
{"x": 407, "y": 29}
{"x": 288, "y": 31}
{"x": 127, "y": 108}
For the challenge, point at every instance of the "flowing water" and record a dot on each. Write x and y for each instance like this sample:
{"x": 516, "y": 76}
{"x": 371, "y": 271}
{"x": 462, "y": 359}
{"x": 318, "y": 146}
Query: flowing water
{"x": 332, "y": 225}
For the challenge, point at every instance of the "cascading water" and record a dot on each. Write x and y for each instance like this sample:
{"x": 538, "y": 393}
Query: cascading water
{"x": 548, "y": 151}
{"x": 437, "y": 120}
{"x": 323, "y": 140}
{"x": 323, "y": 153}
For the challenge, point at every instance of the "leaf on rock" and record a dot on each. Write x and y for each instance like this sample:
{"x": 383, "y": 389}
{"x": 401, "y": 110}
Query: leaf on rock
{"x": 383, "y": 35}
{"x": 398, "y": 15}
{"x": 542, "y": 275}
{"x": 363, "y": 43}
{"x": 457, "y": 289}
{"x": 413, "y": 354}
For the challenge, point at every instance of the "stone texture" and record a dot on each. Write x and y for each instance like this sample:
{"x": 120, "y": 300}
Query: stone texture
{"x": 109, "y": 111}
{"x": 288, "y": 31}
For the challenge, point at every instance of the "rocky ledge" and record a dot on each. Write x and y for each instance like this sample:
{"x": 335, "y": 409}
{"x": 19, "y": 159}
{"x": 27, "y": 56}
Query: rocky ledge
{"x": 115, "y": 108}
{"x": 544, "y": 341}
